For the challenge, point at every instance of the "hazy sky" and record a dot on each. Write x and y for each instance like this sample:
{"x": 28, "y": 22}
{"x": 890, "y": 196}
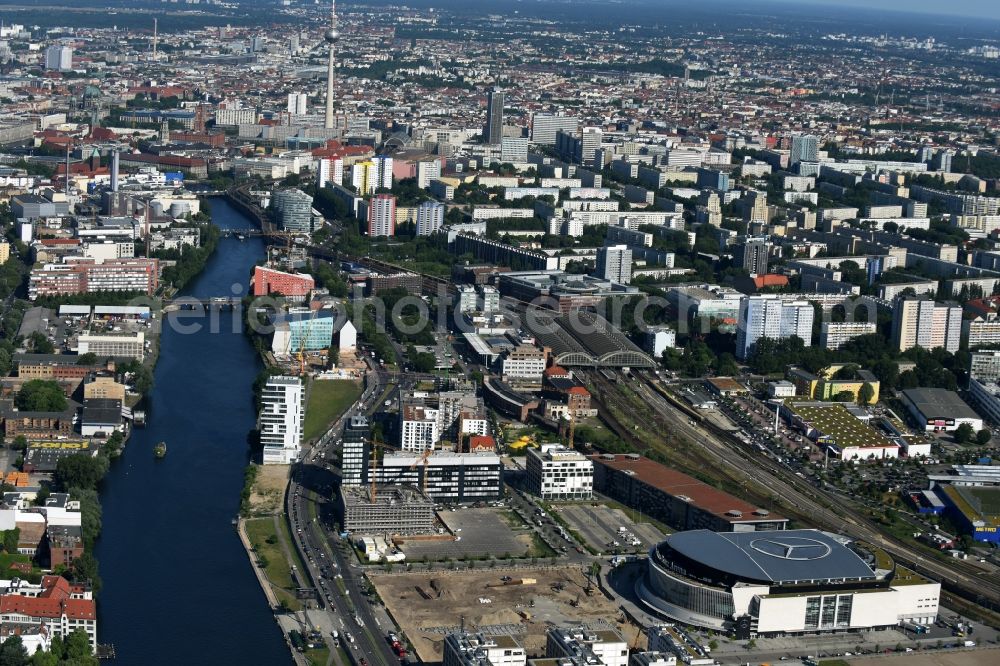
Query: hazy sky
{"x": 971, "y": 8}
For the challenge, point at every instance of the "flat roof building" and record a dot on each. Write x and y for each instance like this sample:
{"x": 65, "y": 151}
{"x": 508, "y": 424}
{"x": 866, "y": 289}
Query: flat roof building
{"x": 394, "y": 510}
{"x": 936, "y": 409}
{"x": 676, "y": 499}
{"x": 558, "y": 473}
{"x": 469, "y": 649}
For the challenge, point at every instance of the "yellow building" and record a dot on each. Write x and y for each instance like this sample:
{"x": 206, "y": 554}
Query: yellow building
{"x": 104, "y": 387}
{"x": 825, "y": 385}
{"x": 4, "y": 252}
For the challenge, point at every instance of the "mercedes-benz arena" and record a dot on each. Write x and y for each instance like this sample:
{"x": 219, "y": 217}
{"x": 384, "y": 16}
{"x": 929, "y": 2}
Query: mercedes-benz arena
{"x": 787, "y": 582}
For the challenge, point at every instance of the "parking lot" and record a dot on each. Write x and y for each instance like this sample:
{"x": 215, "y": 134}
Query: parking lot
{"x": 602, "y": 526}
{"x": 479, "y": 531}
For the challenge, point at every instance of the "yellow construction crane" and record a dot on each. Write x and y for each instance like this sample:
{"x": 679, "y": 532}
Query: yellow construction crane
{"x": 302, "y": 344}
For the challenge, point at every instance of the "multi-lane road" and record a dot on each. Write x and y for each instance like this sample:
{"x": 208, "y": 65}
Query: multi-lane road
{"x": 337, "y": 579}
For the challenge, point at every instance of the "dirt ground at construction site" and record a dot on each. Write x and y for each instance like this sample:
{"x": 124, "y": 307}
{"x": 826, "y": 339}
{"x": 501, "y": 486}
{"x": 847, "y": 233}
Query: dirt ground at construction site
{"x": 428, "y": 605}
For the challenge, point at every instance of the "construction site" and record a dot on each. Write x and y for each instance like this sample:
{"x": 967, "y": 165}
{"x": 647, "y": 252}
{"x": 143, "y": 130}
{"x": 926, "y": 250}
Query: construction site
{"x": 524, "y": 602}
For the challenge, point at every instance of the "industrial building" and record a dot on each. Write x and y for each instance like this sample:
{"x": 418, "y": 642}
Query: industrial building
{"x": 790, "y": 582}
{"x": 975, "y": 509}
{"x": 393, "y": 510}
{"x": 935, "y": 409}
{"x": 676, "y": 499}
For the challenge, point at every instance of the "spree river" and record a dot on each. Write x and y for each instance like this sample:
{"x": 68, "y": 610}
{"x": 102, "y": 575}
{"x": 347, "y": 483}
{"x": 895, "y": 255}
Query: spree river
{"x": 177, "y": 584}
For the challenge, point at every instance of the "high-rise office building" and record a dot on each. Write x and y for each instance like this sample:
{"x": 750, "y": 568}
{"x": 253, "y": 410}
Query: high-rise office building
{"x": 770, "y": 317}
{"x": 751, "y": 255}
{"x": 805, "y": 148}
{"x": 493, "y": 131}
{"x": 294, "y": 210}
{"x": 298, "y": 103}
{"x": 430, "y": 217}
{"x": 281, "y": 419}
{"x": 59, "y": 58}
{"x": 614, "y": 262}
{"x": 514, "y": 149}
{"x": 545, "y": 125}
{"x": 921, "y": 322}
{"x": 382, "y": 215}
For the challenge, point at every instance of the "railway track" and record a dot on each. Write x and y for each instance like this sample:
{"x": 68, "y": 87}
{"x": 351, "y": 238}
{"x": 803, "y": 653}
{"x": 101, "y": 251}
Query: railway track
{"x": 798, "y": 498}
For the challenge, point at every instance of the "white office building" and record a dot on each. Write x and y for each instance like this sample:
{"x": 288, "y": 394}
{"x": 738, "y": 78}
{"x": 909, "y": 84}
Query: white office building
{"x": 606, "y": 645}
{"x": 559, "y": 473}
{"x": 467, "y": 649}
{"x": 281, "y": 419}
{"x": 985, "y": 366}
{"x": 769, "y": 317}
{"x": 545, "y": 125}
{"x": 614, "y": 263}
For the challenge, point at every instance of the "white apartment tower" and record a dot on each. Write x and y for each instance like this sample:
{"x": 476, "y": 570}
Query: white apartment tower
{"x": 59, "y": 58}
{"x": 281, "y": 419}
{"x": 614, "y": 262}
{"x": 920, "y": 322}
{"x": 298, "y": 103}
{"x": 770, "y": 317}
{"x": 430, "y": 217}
{"x": 329, "y": 171}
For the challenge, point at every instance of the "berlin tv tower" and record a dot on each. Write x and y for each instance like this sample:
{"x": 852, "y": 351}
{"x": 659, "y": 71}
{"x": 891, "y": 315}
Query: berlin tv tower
{"x": 331, "y": 36}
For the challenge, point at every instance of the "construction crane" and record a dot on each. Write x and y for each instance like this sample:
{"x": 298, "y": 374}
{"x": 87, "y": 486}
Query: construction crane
{"x": 422, "y": 459}
{"x": 302, "y": 344}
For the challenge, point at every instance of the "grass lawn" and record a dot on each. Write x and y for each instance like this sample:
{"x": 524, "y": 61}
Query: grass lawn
{"x": 267, "y": 546}
{"x": 318, "y": 657}
{"x": 328, "y": 399}
{"x": 539, "y": 548}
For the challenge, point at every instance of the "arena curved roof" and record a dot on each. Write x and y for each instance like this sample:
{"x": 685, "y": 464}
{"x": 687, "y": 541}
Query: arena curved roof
{"x": 781, "y": 556}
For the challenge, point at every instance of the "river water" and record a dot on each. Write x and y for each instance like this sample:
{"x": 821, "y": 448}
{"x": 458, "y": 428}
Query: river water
{"x": 177, "y": 584}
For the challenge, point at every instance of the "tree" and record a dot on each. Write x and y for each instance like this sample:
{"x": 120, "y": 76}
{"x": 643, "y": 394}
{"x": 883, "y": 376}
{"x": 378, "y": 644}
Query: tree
{"x": 81, "y": 471}
{"x": 85, "y": 569}
{"x": 41, "y": 395}
{"x": 984, "y": 436}
{"x": 963, "y": 433}
{"x": 865, "y": 394}
{"x": 12, "y": 652}
{"x": 11, "y": 538}
{"x": 78, "y": 648}
{"x": 90, "y": 358}
{"x": 40, "y": 344}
